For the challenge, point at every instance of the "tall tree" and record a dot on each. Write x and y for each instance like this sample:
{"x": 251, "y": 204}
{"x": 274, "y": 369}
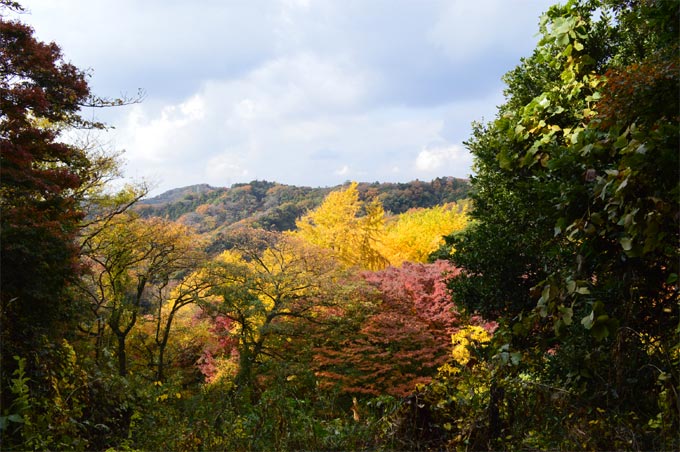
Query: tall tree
{"x": 39, "y": 95}
{"x": 576, "y": 208}
{"x": 45, "y": 187}
{"x": 347, "y": 226}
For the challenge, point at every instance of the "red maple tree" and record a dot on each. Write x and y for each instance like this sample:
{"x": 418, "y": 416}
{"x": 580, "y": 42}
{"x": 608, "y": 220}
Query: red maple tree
{"x": 403, "y": 342}
{"x": 40, "y": 95}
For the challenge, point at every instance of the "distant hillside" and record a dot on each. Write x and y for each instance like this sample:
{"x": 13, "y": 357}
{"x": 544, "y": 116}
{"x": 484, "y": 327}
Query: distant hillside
{"x": 177, "y": 194}
{"x": 275, "y": 206}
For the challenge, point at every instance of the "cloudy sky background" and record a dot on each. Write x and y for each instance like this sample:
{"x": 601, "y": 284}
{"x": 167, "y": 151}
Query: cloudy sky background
{"x": 303, "y": 92}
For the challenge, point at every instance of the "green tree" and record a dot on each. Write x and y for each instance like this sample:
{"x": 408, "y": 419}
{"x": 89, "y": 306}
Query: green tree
{"x": 575, "y": 240}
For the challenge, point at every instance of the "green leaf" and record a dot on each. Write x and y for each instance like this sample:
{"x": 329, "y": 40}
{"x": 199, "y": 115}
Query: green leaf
{"x": 596, "y": 218}
{"x": 600, "y": 331}
{"x": 16, "y": 418}
{"x": 519, "y": 329}
{"x": 621, "y": 141}
{"x": 567, "y": 314}
{"x": 626, "y": 243}
{"x": 622, "y": 184}
{"x": 571, "y": 286}
{"x": 673, "y": 277}
{"x": 576, "y": 135}
{"x": 504, "y": 160}
{"x": 598, "y": 307}
{"x": 562, "y": 39}
{"x": 588, "y": 320}
{"x": 545, "y": 295}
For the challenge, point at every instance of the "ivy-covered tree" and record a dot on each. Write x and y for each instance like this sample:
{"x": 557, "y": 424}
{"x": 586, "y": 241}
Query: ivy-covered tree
{"x": 575, "y": 243}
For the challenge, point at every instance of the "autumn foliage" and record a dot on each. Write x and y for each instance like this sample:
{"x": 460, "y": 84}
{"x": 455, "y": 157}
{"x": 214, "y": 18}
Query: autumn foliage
{"x": 39, "y": 92}
{"x": 127, "y": 332}
{"x": 360, "y": 233}
{"x": 405, "y": 339}
{"x": 347, "y": 226}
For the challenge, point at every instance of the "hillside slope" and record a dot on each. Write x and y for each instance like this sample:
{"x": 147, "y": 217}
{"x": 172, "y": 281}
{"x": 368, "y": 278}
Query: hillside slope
{"x": 275, "y": 206}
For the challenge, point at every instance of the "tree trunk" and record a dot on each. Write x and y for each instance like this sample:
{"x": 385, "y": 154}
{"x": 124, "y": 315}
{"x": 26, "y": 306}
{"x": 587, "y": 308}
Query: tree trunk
{"x": 122, "y": 358}
{"x": 160, "y": 364}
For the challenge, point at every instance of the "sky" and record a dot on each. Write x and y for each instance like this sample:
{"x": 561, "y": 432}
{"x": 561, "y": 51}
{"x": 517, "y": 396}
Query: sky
{"x": 301, "y": 92}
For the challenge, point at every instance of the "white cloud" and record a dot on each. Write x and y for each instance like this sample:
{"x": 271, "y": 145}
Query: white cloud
{"x": 247, "y": 109}
{"x": 297, "y": 91}
{"x": 294, "y": 4}
{"x": 460, "y": 33}
{"x": 344, "y": 171}
{"x": 157, "y": 138}
{"x": 441, "y": 158}
{"x": 193, "y": 109}
{"x": 307, "y": 83}
{"x": 226, "y": 167}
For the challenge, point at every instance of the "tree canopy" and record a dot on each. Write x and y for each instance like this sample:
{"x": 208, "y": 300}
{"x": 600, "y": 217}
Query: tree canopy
{"x": 575, "y": 240}
{"x": 40, "y": 94}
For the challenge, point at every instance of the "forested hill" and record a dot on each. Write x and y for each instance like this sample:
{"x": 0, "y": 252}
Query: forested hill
{"x": 275, "y": 206}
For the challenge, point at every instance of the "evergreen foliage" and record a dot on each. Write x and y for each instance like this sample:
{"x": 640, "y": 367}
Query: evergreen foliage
{"x": 574, "y": 247}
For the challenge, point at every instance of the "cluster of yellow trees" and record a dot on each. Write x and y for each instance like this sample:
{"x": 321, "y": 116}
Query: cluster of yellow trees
{"x": 361, "y": 233}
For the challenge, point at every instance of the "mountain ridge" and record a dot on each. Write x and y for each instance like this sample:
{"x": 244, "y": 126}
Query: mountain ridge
{"x": 274, "y": 206}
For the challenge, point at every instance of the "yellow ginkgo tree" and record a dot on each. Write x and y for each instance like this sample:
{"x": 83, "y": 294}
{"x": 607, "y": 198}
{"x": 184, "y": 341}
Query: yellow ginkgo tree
{"x": 360, "y": 234}
{"x": 415, "y": 234}
{"x": 350, "y": 228}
